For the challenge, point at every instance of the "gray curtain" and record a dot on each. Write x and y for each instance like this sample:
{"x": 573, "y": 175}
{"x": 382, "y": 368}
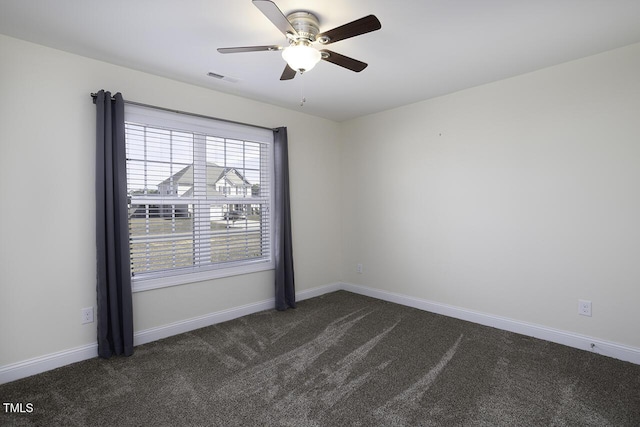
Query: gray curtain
{"x": 285, "y": 286}
{"x": 115, "y": 315}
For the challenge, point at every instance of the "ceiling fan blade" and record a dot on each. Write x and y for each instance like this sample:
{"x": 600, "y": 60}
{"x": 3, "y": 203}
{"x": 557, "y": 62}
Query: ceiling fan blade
{"x": 343, "y": 61}
{"x": 288, "y": 73}
{"x": 352, "y": 29}
{"x": 249, "y": 49}
{"x": 275, "y": 15}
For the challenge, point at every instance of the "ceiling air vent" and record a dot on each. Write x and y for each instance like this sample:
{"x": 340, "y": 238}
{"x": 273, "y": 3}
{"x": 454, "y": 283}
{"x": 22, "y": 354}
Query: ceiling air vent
{"x": 221, "y": 77}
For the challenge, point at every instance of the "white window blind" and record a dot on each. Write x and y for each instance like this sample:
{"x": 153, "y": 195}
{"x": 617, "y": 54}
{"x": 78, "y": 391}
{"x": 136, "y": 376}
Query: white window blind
{"x": 199, "y": 197}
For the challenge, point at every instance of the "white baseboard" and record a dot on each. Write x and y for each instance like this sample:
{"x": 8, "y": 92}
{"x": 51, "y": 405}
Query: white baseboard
{"x": 37, "y": 365}
{"x": 320, "y": 290}
{"x": 51, "y": 361}
{"x": 27, "y": 368}
{"x": 171, "y": 329}
{"x": 165, "y": 331}
{"x": 582, "y": 342}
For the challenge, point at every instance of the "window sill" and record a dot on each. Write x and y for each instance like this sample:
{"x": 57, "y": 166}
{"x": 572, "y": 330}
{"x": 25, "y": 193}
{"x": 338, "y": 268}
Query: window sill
{"x": 141, "y": 284}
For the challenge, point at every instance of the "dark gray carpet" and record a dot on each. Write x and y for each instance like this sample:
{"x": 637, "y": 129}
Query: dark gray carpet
{"x": 340, "y": 359}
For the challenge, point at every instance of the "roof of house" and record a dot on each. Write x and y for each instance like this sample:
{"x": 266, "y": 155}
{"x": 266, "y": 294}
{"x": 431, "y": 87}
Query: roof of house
{"x": 215, "y": 174}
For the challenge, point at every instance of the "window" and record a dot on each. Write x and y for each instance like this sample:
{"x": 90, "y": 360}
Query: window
{"x": 199, "y": 197}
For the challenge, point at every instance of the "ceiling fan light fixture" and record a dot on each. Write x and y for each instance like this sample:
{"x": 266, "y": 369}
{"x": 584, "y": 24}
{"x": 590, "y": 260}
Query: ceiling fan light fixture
{"x": 301, "y": 56}
{"x": 302, "y": 28}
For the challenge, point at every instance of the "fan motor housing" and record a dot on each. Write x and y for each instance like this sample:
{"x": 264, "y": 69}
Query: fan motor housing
{"x": 306, "y": 24}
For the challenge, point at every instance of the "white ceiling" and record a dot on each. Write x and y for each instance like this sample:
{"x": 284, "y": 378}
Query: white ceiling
{"x": 425, "y": 48}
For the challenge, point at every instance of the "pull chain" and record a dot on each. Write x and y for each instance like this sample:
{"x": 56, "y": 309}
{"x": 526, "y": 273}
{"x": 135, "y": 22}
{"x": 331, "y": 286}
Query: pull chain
{"x": 302, "y": 98}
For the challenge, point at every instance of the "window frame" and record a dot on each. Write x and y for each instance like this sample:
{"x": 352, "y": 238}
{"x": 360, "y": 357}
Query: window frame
{"x": 210, "y": 127}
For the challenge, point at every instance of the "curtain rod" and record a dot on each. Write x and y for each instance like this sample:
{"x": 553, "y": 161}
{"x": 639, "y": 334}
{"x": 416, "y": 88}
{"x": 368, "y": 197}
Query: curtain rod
{"x": 139, "y": 104}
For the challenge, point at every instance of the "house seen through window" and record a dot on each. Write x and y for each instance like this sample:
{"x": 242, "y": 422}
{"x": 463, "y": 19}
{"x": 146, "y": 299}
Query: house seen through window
{"x": 199, "y": 197}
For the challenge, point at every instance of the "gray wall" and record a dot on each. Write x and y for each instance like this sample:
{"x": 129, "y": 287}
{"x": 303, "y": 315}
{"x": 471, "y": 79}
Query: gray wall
{"x": 47, "y": 248}
{"x": 514, "y": 199}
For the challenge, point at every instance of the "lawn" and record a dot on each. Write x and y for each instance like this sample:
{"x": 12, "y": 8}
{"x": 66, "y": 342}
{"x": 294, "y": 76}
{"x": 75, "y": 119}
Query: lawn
{"x": 159, "y": 244}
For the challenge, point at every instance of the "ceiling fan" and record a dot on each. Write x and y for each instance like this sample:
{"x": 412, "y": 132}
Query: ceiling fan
{"x": 302, "y": 30}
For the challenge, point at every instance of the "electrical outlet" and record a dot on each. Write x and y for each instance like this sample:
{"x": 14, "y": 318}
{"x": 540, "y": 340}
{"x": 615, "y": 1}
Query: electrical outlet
{"x": 87, "y": 315}
{"x": 584, "y": 307}
{"x": 359, "y": 268}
